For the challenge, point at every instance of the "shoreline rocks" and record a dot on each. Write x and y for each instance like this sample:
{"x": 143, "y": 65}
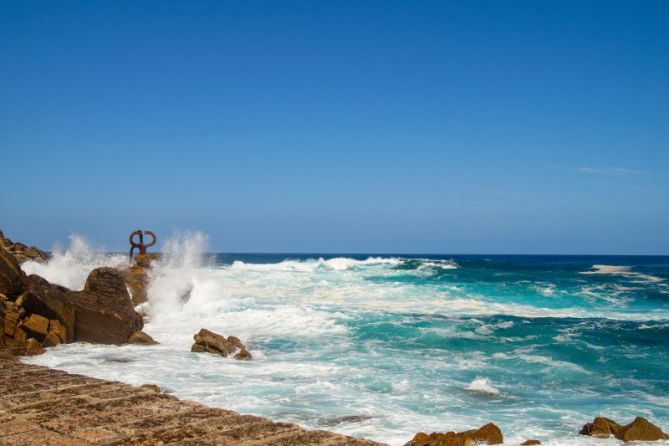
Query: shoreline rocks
{"x": 488, "y": 434}
{"x": 22, "y": 252}
{"x": 210, "y": 342}
{"x": 638, "y": 430}
{"x": 35, "y": 313}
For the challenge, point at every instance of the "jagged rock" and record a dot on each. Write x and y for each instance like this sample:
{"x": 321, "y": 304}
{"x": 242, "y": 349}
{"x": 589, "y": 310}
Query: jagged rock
{"x": 104, "y": 312}
{"x": 489, "y": 434}
{"x": 136, "y": 279}
{"x": 639, "y": 429}
{"x": 51, "y": 340}
{"x": 11, "y": 320}
{"x": 33, "y": 347}
{"x": 58, "y": 329}
{"x": 243, "y": 355}
{"x": 139, "y": 337}
{"x": 12, "y": 277}
{"x": 20, "y": 335}
{"x": 37, "y": 326}
{"x": 50, "y": 301}
{"x": 208, "y": 341}
{"x": 21, "y": 252}
{"x": 530, "y": 443}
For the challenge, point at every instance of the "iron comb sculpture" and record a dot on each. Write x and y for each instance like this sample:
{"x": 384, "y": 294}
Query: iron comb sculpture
{"x": 140, "y": 245}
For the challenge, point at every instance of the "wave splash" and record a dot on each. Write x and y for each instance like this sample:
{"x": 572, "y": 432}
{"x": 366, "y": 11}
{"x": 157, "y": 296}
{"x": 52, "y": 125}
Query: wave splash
{"x": 70, "y": 268}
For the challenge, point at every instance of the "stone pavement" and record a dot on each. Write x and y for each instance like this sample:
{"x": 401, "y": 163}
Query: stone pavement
{"x": 41, "y": 406}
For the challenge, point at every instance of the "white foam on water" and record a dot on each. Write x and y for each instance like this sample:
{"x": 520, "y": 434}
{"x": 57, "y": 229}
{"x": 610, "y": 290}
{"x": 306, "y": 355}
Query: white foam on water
{"x": 482, "y": 385}
{"x": 624, "y": 271}
{"x": 294, "y": 315}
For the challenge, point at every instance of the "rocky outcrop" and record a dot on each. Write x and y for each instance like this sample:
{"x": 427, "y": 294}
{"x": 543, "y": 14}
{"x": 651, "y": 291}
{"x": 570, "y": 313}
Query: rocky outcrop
{"x": 530, "y": 443}
{"x": 21, "y": 252}
{"x": 136, "y": 277}
{"x": 12, "y": 277}
{"x": 35, "y": 313}
{"x": 210, "y": 342}
{"x": 139, "y": 337}
{"x": 104, "y": 312}
{"x": 638, "y": 430}
{"x": 488, "y": 434}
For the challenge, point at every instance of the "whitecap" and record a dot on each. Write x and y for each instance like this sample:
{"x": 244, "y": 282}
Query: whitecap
{"x": 482, "y": 385}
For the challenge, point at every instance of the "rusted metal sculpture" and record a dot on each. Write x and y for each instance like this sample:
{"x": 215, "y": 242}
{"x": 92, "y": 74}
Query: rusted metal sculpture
{"x": 141, "y": 246}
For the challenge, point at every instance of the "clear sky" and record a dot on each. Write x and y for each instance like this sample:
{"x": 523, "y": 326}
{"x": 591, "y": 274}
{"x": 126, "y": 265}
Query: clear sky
{"x": 339, "y": 126}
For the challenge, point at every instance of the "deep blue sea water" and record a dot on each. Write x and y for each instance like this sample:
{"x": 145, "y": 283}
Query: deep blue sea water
{"x": 537, "y": 344}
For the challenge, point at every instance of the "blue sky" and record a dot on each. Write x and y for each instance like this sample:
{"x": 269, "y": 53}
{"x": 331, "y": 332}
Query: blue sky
{"x": 347, "y": 126}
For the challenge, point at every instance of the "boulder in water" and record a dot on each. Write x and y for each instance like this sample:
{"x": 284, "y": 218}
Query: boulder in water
{"x": 638, "y": 430}
{"x": 488, "y": 434}
{"x": 531, "y": 442}
{"x": 139, "y": 337}
{"x": 52, "y": 302}
{"x": 104, "y": 312}
{"x": 210, "y": 342}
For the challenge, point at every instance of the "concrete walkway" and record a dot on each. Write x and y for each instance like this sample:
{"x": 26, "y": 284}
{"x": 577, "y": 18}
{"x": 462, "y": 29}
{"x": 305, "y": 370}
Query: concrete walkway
{"x": 41, "y": 406}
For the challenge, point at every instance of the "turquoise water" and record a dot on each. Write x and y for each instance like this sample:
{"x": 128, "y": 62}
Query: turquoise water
{"x": 537, "y": 344}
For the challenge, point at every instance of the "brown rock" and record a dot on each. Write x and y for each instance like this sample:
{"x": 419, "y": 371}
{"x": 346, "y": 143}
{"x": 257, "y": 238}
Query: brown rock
{"x": 16, "y": 348}
{"x": 601, "y": 428}
{"x": 642, "y": 430}
{"x": 243, "y": 355}
{"x": 12, "y": 277}
{"x": 51, "y": 339}
{"x": 11, "y": 319}
{"x": 139, "y": 337}
{"x": 639, "y": 429}
{"x": 143, "y": 260}
{"x": 530, "y": 443}
{"x": 50, "y": 301}
{"x": 234, "y": 340}
{"x": 58, "y": 329}
{"x": 21, "y": 252}
{"x": 489, "y": 434}
{"x": 33, "y": 347}
{"x": 36, "y": 325}
{"x": 20, "y": 335}
{"x": 104, "y": 312}
{"x": 213, "y": 343}
{"x": 137, "y": 281}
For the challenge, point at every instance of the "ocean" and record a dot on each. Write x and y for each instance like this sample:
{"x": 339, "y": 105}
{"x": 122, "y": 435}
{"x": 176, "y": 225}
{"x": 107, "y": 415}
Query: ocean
{"x": 384, "y": 346}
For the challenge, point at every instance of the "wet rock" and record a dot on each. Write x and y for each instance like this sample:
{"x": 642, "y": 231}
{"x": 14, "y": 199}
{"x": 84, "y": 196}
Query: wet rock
{"x": 642, "y": 430}
{"x": 530, "y": 443}
{"x": 139, "y": 337}
{"x": 51, "y": 340}
{"x": 137, "y": 280}
{"x": 104, "y": 312}
{"x": 51, "y": 301}
{"x": 210, "y": 342}
{"x": 34, "y": 347}
{"x": 12, "y": 277}
{"x": 243, "y": 355}
{"x": 638, "y": 430}
{"x": 489, "y": 434}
